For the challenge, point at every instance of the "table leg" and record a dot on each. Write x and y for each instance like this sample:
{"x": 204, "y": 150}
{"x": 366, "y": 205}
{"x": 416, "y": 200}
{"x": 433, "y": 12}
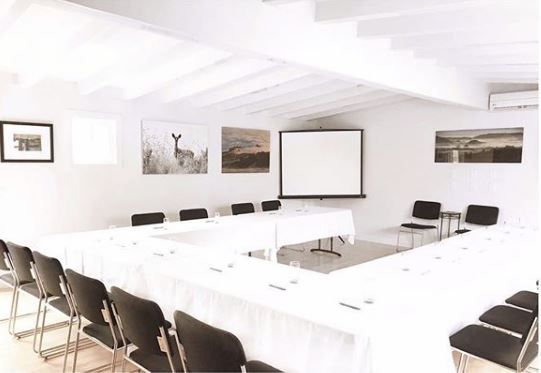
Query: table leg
{"x": 441, "y": 227}
{"x": 448, "y": 227}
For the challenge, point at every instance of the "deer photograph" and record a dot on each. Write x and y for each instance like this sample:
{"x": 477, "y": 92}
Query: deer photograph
{"x": 174, "y": 148}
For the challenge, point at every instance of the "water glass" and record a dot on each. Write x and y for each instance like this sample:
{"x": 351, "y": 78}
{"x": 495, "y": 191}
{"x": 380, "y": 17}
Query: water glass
{"x": 233, "y": 258}
{"x": 217, "y": 215}
{"x": 111, "y": 235}
{"x": 296, "y": 271}
{"x": 165, "y": 221}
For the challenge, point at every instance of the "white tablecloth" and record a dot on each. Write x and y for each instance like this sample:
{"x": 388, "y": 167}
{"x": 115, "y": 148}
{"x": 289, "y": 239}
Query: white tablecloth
{"x": 409, "y": 303}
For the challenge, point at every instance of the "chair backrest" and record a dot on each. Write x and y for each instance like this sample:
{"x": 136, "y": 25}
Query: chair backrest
{"x": 49, "y": 271}
{"x": 208, "y": 349}
{"x": 192, "y": 214}
{"x": 242, "y": 208}
{"x": 88, "y": 295}
{"x": 482, "y": 215}
{"x": 147, "y": 218}
{"x": 3, "y": 253}
{"x": 21, "y": 257}
{"x": 426, "y": 210}
{"x": 140, "y": 319}
{"x": 271, "y": 205}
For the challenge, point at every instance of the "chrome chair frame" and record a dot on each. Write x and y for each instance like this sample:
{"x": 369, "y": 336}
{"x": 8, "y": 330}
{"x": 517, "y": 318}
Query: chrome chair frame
{"x": 62, "y": 349}
{"x": 163, "y": 342}
{"x": 464, "y": 356}
{"x": 107, "y": 317}
{"x": 15, "y": 302}
{"x": 413, "y": 232}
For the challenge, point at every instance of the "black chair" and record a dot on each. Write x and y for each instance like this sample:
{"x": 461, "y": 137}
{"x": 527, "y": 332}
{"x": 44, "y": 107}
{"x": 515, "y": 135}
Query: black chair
{"x": 50, "y": 279}
{"x": 479, "y": 215}
{"x": 6, "y": 275}
{"x": 21, "y": 260}
{"x": 193, "y": 214}
{"x": 527, "y": 300}
{"x": 242, "y": 208}
{"x": 209, "y": 349}
{"x": 90, "y": 300}
{"x": 497, "y": 347}
{"x": 147, "y": 218}
{"x": 424, "y": 210}
{"x": 508, "y": 318}
{"x": 142, "y": 322}
{"x": 271, "y": 205}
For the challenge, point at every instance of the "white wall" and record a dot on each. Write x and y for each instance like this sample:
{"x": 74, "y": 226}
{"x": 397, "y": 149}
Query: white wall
{"x": 38, "y": 199}
{"x": 400, "y": 168}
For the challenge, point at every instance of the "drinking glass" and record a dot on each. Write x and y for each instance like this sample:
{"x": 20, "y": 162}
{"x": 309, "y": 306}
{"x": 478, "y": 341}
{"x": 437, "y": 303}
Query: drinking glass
{"x": 165, "y": 221}
{"x": 233, "y": 258}
{"x": 296, "y": 271}
{"x": 111, "y": 234}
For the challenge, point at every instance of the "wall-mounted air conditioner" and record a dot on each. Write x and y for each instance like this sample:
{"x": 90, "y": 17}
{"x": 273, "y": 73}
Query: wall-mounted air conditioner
{"x": 514, "y": 100}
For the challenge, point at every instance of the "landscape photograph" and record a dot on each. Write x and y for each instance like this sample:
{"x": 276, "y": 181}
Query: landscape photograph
{"x": 245, "y": 150}
{"x": 501, "y": 145}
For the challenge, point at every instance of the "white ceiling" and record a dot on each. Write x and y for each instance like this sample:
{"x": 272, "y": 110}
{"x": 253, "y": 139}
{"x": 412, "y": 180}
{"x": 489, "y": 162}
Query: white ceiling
{"x": 496, "y": 41}
{"x": 40, "y": 40}
{"x": 49, "y": 39}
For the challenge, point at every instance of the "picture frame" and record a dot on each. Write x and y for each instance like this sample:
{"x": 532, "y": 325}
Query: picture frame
{"x": 26, "y": 142}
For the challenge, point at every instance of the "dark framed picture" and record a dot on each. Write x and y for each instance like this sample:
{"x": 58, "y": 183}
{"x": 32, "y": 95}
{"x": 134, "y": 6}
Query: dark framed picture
{"x": 26, "y": 142}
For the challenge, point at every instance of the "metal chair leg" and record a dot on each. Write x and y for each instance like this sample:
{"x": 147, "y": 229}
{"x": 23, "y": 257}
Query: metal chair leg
{"x": 36, "y": 328}
{"x": 42, "y": 327}
{"x": 66, "y": 350}
{"x": 76, "y": 346}
{"x": 14, "y": 314}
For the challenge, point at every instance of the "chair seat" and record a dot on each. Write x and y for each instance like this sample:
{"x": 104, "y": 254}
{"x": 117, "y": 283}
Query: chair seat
{"x": 61, "y": 304}
{"x": 103, "y": 334}
{"x": 32, "y": 289}
{"x": 158, "y": 363}
{"x": 492, "y": 345}
{"x": 508, "y": 318}
{"x": 8, "y": 279}
{"x": 418, "y": 226}
{"x": 259, "y": 366}
{"x": 524, "y": 299}
{"x": 462, "y": 231}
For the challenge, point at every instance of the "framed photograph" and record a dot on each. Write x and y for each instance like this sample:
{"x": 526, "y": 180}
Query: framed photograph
{"x": 497, "y": 145}
{"x": 170, "y": 148}
{"x": 245, "y": 150}
{"x": 26, "y": 142}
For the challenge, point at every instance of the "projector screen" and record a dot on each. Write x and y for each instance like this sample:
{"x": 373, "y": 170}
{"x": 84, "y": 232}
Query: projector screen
{"x": 321, "y": 164}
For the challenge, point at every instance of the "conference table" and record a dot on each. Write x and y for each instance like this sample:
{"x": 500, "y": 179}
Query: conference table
{"x": 393, "y": 314}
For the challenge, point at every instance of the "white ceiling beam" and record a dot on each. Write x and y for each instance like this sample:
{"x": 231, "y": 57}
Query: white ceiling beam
{"x": 511, "y": 69}
{"x": 493, "y": 76}
{"x": 47, "y": 67}
{"x": 448, "y": 21}
{"x": 319, "y": 100}
{"x": 296, "y": 39}
{"x": 514, "y": 80}
{"x": 11, "y": 12}
{"x": 465, "y": 60}
{"x": 288, "y": 98}
{"x": 479, "y": 50}
{"x": 350, "y": 10}
{"x": 272, "y": 92}
{"x": 359, "y": 99}
{"x": 179, "y": 63}
{"x": 267, "y": 80}
{"x": 356, "y": 107}
{"x": 227, "y": 72}
{"x": 516, "y": 33}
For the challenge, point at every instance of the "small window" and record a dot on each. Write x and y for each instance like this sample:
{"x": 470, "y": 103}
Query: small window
{"x": 94, "y": 139}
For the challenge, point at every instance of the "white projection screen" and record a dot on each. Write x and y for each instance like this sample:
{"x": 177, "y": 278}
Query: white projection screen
{"x": 321, "y": 164}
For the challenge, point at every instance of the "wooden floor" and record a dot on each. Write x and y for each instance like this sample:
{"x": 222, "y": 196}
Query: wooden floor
{"x": 18, "y": 356}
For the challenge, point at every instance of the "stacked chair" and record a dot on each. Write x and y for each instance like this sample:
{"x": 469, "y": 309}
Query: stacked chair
{"x": 507, "y": 337}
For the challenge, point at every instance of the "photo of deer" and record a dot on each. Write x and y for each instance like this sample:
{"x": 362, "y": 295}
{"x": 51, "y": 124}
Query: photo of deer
{"x": 174, "y": 148}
